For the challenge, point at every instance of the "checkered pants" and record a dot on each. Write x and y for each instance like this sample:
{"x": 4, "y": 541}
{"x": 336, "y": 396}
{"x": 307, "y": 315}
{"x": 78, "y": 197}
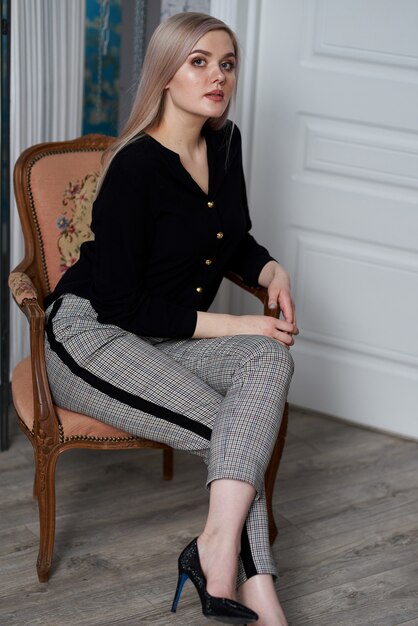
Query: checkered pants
{"x": 219, "y": 398}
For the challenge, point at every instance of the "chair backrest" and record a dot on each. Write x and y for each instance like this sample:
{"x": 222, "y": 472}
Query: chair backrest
{"x": 54, "y": 186}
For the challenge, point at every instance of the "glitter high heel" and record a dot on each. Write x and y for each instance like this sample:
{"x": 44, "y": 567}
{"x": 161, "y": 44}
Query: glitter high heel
{"x": 220, "y": 609}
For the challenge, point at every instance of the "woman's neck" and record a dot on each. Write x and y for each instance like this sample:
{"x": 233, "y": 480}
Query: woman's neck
{"x": 185, "y": 139}
{"x": 190, "y": 145}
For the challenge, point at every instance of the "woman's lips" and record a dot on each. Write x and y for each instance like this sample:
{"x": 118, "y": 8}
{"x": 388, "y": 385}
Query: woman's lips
{"x": 216, "y": 96}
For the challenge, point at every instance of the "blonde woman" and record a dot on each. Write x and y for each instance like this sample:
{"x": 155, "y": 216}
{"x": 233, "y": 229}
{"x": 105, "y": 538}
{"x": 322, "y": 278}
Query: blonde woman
{"x": 129, "y": 338}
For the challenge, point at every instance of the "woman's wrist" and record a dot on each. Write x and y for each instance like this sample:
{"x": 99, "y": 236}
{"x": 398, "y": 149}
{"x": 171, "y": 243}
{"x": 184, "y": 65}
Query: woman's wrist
{"x": 270, "y": 271}
{"x": 211, "y": 325}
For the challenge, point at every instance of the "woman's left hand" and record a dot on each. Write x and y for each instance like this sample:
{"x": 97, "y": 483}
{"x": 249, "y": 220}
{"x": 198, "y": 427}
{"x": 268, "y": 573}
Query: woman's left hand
{"x": 275, "y": 278}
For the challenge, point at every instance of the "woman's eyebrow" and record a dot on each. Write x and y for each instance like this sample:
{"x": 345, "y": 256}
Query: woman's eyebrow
{"x": 209, "y": 54}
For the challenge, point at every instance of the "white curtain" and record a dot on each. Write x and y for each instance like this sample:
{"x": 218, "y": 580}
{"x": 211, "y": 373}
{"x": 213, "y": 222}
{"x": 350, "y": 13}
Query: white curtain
{"x": 47, "y": 64}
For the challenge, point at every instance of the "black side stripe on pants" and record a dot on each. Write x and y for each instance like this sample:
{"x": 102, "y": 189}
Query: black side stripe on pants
{"x": 121, "y": 395}
{"x": 246, "y": 556}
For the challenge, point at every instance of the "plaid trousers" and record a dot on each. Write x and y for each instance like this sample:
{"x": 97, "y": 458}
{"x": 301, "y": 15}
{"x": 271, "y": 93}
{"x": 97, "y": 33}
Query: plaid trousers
{"x": 219, "y": 398}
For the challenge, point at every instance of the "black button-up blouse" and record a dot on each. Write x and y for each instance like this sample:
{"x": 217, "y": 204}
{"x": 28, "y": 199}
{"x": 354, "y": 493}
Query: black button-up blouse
{"x": 161, "y": 245}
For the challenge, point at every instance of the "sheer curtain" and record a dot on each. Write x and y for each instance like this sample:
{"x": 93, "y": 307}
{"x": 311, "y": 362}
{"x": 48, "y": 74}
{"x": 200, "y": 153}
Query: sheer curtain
{"x": 46, "y": 93}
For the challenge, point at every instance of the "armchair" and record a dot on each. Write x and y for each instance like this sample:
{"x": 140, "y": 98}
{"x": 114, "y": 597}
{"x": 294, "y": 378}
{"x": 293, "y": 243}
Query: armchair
{"x": 54, "y": 186}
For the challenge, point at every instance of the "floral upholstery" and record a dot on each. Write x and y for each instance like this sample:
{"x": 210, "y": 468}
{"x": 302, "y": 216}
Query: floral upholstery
{"x": 72, "y": 229}
{"x": 74, "y": 223}
{"x": 61, "y": 207}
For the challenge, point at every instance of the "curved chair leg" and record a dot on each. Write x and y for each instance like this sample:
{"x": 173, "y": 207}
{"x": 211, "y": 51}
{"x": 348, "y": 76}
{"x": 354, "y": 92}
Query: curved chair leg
{"x": 168, "y": 464}
{"x": 273, "y": 466}
{"x": 45, "y": 491}
{"x": 35, "y": 484}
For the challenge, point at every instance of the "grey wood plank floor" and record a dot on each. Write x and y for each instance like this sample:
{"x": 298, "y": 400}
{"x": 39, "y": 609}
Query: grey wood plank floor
{"x": 346, "y": 502}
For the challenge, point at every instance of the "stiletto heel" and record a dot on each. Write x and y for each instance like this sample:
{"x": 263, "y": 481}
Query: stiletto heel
{"x": 182, "y": 579}
{"x": 220, "y": 609}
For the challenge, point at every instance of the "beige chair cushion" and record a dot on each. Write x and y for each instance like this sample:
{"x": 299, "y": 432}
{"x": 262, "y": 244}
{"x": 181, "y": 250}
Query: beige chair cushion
{"x": 73, "y": 424}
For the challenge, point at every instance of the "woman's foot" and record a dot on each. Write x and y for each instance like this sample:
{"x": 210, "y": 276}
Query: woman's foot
{"x": 259, "y": 593}
{"x": 216, "y": 608}
{"x": 219, "y": 561}
{"x": 220, "y": 542}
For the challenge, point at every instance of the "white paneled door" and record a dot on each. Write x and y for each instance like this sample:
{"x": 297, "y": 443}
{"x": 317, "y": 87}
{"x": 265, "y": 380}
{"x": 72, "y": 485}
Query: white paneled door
{"x": 335, "y": 175}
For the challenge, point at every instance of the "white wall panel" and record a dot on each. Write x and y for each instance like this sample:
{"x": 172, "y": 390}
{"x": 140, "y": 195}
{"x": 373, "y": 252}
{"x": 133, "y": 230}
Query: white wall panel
{"x": 363, "y": 390}
{"x": 366, "y": 37}
{"x": 372, "y": 159}
{"x": 341, "y": 284}
{"x": 335, "y": 177}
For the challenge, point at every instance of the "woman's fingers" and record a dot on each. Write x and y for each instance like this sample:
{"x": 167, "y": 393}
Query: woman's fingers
{"x": 287, "y": 306}
{"x": 285, "y": 338}
{"x": 280, "y": 297}
{"x": 285, "y": 332}
{"x": 287, "y": 327}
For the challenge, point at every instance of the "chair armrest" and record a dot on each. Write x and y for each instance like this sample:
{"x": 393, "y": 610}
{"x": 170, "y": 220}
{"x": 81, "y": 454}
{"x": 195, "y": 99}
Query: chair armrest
{"x": 22, "y": 287}
{"x": 26, "y": 297}
{"x": 259, "y": 292}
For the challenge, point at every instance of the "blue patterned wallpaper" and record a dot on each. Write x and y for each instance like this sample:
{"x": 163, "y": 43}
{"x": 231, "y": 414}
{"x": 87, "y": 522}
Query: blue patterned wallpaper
{"x": 101, "y": 66}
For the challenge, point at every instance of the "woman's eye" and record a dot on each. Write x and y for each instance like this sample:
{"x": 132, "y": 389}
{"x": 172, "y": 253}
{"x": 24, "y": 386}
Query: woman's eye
{"x": 227, "y": 66}
{"x": 198, "y": 62}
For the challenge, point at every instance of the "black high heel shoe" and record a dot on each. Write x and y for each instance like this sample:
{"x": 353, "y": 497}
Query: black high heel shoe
{"x": 220, "y": 609}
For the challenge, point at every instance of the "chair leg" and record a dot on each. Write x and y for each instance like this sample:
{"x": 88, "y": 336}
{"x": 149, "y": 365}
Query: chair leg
{"x": 35, "y": 484}
{"x": 273, "y": 466}
{"x": 168, "y": 464}
{"x": 45, "y": 492}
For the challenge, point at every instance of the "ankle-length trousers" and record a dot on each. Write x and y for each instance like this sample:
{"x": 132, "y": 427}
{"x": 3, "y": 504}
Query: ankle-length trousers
{"x": 220, "y": 398}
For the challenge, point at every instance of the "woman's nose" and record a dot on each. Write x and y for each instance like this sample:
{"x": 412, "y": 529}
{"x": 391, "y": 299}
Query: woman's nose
{"x": 218, "y": 75}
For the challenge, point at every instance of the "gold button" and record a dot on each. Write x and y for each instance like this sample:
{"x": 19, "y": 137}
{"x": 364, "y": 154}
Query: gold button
{"x": 219, "y": 235}
{"x": 208, "y": 261}
{"x": 199, "y": 289}
{"x": 211, "y": 204}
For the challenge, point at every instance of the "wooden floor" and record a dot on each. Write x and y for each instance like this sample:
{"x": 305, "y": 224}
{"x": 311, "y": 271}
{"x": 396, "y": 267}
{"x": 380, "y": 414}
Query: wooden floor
{"x": 346, "y": 503}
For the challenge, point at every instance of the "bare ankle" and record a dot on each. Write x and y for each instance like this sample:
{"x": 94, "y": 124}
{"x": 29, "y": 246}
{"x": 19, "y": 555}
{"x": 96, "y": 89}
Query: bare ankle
{"x": 219, "y": 540}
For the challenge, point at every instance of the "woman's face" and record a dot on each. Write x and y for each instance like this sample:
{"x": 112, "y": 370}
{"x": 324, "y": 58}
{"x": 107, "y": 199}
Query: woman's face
{"x": 204, "y": 84}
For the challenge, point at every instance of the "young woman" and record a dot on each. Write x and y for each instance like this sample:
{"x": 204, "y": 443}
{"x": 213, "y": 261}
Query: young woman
{"x": 129, "y": 338}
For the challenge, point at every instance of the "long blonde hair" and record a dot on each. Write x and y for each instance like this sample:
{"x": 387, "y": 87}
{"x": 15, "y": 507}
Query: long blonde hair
{"x": 168, "y": 49}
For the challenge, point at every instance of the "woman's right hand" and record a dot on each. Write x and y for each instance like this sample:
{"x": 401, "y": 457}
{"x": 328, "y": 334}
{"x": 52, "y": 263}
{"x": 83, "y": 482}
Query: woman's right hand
{"x": 278, "y": 329}
{"x": 221, "y": 325}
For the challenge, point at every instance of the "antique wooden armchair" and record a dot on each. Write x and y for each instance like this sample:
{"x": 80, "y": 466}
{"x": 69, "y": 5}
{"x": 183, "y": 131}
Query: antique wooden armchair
{"x": 54, "y": 187}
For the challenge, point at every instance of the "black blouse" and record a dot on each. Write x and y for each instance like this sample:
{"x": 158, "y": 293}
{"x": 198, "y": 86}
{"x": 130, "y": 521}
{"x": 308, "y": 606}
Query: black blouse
{"x": 161, "y": 244}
